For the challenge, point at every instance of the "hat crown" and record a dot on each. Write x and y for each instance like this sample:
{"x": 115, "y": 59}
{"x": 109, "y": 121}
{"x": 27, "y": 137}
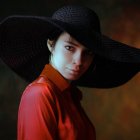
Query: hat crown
{"x": 78, "y": 16}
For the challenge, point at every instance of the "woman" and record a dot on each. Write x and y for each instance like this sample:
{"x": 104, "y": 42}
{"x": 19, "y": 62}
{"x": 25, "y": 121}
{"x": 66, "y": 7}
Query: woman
{"x": 50, "y": 107}
{"x": 58, "y": 54}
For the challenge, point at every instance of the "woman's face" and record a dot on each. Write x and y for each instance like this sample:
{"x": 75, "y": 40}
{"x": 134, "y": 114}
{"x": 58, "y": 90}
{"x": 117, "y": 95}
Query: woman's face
{"x": 70, "y": 58}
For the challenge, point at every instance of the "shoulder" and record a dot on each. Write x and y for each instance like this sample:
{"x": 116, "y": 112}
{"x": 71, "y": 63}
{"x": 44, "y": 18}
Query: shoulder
{"x": 38, "y": 100}
{"x": 39, "y": 90}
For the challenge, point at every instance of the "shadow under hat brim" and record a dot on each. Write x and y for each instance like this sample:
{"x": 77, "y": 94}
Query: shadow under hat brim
{"x": 23, "y": 47}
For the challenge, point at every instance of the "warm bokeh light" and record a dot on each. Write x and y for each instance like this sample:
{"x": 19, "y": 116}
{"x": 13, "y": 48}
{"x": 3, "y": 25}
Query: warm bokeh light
{"x": 126, "y": 26}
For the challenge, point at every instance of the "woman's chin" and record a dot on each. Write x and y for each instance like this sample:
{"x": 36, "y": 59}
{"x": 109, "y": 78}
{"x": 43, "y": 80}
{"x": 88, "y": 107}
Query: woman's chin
{"x": 72, "y": 78}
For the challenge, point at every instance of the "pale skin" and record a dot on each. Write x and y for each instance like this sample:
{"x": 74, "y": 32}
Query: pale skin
{"x": 70, "y": 58}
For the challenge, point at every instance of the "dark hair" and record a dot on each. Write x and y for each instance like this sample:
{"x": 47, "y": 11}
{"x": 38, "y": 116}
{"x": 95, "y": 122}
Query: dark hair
{"x": 55, "y": 34}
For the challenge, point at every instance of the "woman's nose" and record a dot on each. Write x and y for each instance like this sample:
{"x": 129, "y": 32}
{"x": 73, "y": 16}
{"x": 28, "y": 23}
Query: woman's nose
{"x": 78, "y": 59}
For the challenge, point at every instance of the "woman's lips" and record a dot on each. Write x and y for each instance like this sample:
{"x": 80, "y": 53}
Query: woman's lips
{"x": 73, "y": 71}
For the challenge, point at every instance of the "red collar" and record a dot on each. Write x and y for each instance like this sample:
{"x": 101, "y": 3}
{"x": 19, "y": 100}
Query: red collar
{"x": 54, "y": 76}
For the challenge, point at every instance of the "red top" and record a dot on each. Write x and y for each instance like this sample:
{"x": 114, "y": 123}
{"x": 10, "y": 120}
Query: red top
{"x": 50, "y": 109}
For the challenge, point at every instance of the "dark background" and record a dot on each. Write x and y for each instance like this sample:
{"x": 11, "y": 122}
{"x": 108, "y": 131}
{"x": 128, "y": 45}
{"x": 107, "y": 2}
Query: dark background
{"x": 115, "y": 112}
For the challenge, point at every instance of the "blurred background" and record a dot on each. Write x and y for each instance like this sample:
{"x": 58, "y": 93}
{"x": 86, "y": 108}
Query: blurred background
{"x": 115, "y": 112}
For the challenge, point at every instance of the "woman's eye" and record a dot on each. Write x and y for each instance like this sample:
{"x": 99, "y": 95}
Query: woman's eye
{"x": 70, "y": 48}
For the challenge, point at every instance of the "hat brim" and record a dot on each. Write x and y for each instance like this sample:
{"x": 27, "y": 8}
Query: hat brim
{"x": 23, "y": 47}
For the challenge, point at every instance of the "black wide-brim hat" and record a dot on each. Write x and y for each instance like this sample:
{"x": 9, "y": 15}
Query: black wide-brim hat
{"x": 23, "y": 46}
